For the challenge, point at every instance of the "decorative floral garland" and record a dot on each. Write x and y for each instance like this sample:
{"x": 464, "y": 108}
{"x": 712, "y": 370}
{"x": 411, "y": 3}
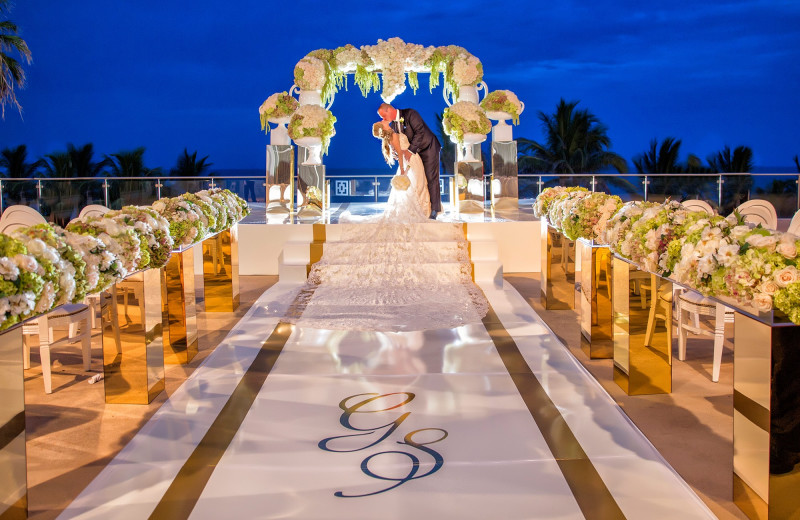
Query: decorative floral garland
{"x": 388, "y": 61}
{"x": 715, "y": 255}
{"x": 44, "y": 266}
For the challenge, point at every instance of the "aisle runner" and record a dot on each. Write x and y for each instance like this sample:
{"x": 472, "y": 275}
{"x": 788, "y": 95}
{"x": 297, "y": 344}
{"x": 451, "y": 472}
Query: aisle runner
{"x": 435, "y": 424}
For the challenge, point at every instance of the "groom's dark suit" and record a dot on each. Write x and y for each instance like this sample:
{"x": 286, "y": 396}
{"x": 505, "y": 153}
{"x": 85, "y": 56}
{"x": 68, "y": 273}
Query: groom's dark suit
{"x": 422, "y": 141}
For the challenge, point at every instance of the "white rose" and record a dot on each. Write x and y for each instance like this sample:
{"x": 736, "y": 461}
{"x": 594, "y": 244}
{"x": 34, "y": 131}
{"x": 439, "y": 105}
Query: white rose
{"x": 769, "y": 287}
{"x": 786, "y": 276}
{"x": 739, "y": 231}
{"x": 763, "y": 301}
{"x": 786, "y": 247}
{"x": 767, "y": 242}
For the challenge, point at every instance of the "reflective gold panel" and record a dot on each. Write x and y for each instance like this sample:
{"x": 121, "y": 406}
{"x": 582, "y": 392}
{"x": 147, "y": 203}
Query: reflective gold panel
{"x": 505, "y": 186}
{"x": 179, "y": 308}
{"x": 558, "y": 269}
{"x": 317, "y": 246}
{"x": 766, "y": 418}
{"x": 133, "y": 350}
{"x": 13, "y": 468}
{"x": 642, "y": 328}
{"x": 595, "y": 300}
{"x": 470, "y": 191}
{"x": 280, "y": 178}
{"x": 221, "y": 271}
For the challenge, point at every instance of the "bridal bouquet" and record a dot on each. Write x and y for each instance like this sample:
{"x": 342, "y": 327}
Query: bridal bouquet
{"x": 465, "y": 117}
{"x": 503, "y": 101}
{"x": 22, "y": 282}
{"x": 278, "y": 106}
{"x": 401, "y": 182}
{"x": 313, "y": 121}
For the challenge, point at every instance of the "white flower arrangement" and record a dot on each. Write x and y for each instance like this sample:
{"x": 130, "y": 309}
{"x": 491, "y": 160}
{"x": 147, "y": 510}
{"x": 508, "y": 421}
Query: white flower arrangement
{"x": 313, "y": 121}
{"x": 503, "y": 101}
{"x": 467, "y": 70}
{"x": 465, "y": 117}
{"x": 389, "y": 57}
{"x": 310, "y": 73}
{"x": 278, "y": 106}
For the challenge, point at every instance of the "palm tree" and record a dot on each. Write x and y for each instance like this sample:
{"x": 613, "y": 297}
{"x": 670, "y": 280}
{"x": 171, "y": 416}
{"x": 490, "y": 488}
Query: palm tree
{"x": 797, "y": 164}
{"x": 15, "y": 163}
{"x": 129, "y": 164}
{"x": 12, "y": 75}
{"x": 189, "y": 166}
{"x": 58, "y": 165}
{"x": 575, "y": 142}
{"x": 83, "y": 163}
{"x": 741, "y": 161}
{"x": 659, "y": 159}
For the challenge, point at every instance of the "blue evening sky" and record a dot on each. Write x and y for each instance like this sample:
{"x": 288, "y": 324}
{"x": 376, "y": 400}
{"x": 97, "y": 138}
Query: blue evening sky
{"x": 173, "y": 74}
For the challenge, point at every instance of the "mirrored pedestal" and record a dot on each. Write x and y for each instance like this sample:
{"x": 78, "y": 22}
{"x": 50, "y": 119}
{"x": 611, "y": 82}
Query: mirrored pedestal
{"x": 558, "y": 269}
{"x": 642, "y": 330}
{"x": 133, "y": 348}
{"x": 179, "y": 308}
{"x": 595, "y": 300}
{"x": 13, "y": 462}
{"x": 221, "y": 271}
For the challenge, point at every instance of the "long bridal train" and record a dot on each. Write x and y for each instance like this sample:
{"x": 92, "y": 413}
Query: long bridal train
{"x": 393, "y": 277}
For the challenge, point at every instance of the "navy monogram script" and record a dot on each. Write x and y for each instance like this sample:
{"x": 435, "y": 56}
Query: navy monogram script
{"x": 372, "y": 403}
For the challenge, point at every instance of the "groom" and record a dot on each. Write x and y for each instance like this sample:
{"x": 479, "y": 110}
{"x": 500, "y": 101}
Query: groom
{"x": 421, "y": 141}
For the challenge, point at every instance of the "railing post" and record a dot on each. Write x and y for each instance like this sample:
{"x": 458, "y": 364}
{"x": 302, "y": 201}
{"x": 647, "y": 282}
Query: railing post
{"x": 39, "y": 195}
{"x": 105, "y": 192}
{"x": 646, "y": 183}
{"x": 540, "y": 184}
{"x": 1, "y": 197}
{"x": 720, "y": 182}
{"x": 158, "y": 188}
{"x": 376, "y": 187}
{"x": 593, "y": 183}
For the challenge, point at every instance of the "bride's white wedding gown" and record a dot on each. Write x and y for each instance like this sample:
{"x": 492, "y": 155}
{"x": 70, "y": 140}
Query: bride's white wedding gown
{"x": 398, "y": 271}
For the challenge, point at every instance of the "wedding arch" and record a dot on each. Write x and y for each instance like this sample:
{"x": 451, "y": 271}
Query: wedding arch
{"x": 385, "y": 67}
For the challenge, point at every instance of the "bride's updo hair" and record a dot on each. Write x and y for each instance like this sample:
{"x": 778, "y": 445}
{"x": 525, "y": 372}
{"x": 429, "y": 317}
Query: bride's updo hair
{"x": 379, "y": 132}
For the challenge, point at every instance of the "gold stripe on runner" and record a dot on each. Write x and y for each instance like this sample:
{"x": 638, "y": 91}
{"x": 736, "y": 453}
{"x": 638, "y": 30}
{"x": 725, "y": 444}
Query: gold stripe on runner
{"x": 589, "y": 490}
{"x": 182, "y": 495}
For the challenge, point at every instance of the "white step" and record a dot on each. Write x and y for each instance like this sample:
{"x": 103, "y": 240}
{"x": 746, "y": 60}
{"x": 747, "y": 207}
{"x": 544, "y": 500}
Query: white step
{"x": 295, "y": 252}
{"x": 292, "y": 272}
{"x": 489, "y": 272}
{"x": 484, "y": 250}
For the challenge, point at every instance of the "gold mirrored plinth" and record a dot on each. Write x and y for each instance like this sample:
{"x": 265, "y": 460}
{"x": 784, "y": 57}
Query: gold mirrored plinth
{"x": 766, "y": 418}
{"x": 221, "y": 271}
{"x": 133, "y": 349}
{"x": 13, "y": 463}
{"x": 558, "y": 269}
{"x": 597, "y": 339}
{"x": 642, "y": 329}
{"x": 470, "y": 191}
{"x": 179, "y": 308}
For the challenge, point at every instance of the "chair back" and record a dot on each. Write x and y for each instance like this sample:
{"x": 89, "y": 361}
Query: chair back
{"x": 93, "y": 210}
{"x": 698, "y": 205}
{"x": 759, "y": 212}
{"x": 794, "y": 225}
{"x": 15, "y": 217}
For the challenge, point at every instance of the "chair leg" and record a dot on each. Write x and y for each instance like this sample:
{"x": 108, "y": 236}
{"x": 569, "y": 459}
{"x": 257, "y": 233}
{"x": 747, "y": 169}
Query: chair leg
{"x": 651, "y": 321}
{"x": 719, "y": 337}
{"x": 86, "y": 342}
{"x": 44, "y": 353}
{"x": 681, "y": 334}
{"x": 26, "y": 352}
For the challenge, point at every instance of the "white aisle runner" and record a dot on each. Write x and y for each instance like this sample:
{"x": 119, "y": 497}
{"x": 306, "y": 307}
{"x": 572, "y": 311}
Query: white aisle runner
{"x": 357, "y": 425}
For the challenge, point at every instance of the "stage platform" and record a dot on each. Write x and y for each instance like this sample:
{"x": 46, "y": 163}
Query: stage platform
{"x": 265, "y": 235}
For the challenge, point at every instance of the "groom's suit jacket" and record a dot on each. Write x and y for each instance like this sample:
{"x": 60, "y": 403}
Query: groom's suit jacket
{"x": 420, "y": 137}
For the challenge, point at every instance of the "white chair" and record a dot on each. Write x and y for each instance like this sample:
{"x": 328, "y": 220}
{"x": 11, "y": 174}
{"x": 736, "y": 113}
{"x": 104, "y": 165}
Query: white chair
{"x": 75, "y": 318}
{"x": 93, "y": 210}
{"x": 794, "y": 225}
{"x": 93, "y": 300}
{"x": 15, "y": 217}
{"x": 759, "y": 212}
{"x": 698, "y": 205}
{"x": 692, "y": 302}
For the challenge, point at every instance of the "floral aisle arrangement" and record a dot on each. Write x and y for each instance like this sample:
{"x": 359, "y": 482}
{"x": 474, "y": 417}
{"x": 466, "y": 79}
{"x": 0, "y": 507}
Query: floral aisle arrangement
{"x": 278, "y": 106}
{"x": 585, "y": 214}
{"x": 44, "y": 266}
{"x": 503, "y": 101}
{"x": 715, "y": 255}
{"x": 465, "y": 117}
{"x": 313, "y": 121}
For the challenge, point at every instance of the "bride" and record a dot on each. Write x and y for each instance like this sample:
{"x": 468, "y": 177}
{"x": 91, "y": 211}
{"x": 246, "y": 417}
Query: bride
{"x": 411, "y": 204}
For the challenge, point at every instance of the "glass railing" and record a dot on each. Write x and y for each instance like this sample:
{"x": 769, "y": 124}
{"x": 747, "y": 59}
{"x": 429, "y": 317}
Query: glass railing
{"x": 60, "y": 200}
